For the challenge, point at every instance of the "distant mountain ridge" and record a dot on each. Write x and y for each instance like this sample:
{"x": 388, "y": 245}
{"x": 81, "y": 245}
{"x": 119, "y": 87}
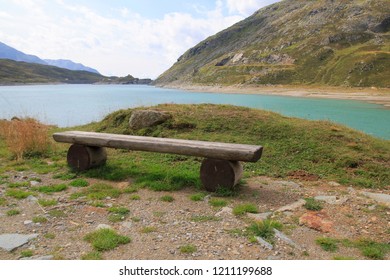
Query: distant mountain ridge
{"x": 295, "y": 42}
{"x": 7, "y": 52}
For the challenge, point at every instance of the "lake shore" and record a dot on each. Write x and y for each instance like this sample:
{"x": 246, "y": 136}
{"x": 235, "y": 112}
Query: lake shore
{"x": 371, "y": 95}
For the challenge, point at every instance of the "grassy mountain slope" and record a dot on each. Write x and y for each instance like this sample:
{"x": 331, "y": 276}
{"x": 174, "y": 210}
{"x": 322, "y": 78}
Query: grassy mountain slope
{"x": 13, "y": 72}
{"x": 325, "y": 42}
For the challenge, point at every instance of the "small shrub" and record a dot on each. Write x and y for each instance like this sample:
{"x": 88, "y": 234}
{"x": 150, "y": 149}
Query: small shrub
{"x": 47, "y": 202}
{"x": 215, "y": 202}
{"x": 79, "y": 183}
{"x": 25, "y": 137}
{"x": 245, "y": 208}
{"x": 188, "y": 249}
{"x": 198, "y": 196}
{"x": 92, "y": 256}
{"x": 106, "y": 239}
{"x": 26, "y": 253}
{"x": 328, "y": 244}
{"x": 167, "y": 198}
{"x": 265, "y": 229}
{"x": 18, "y": 194}
{"x": 313, "y": 204}
{"x": 13, "y": 212}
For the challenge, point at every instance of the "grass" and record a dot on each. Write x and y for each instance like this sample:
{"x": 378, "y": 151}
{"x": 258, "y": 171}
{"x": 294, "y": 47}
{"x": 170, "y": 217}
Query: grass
{"x": 148, "y": 229}
{"x": 97, "y": 191}
{"x": 26, "y": 253}
{"x": 49, "y": 235}
{"x": 57, "y": 213}
{"x": 215, "y": 202}
{"x": 18, "y": 184}
{"x": 167, "y": 198}
{"x": 106, "y": 239}
{"x": 13, "y": 212}
{"x": 327, "y": 244}
{"x": 264, "y": 229}
{"x": 313, "y": 204}
{"x": 198, "y": 196}
{"x": 94, "y": 255}
{"x": 3, "y": 201}
{"x": 18, "y": 194}
{"x": 39, "y": 219}
{"x": 51, "y": 189}
{"x": 47, "y": 202}
{"x": 241, "y": 209}
{"x": 188, "y": 249}
{"x": 202, "y": 218}
{"x": 117, "y": 214}
{"x": 135, "y": 197}
{"x": 79, "y": 183}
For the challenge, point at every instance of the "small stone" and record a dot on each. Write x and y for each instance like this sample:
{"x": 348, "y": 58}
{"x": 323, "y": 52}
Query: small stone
{"x": 334, "y": 184}
{"x": 147, "y": 118}
{"x": 27, "y": 222}
{"x": 286, "y": 239}
{"x": 34, "y": 183}
{"x": 292, "y": 206}
{"x": 103, "y": 226}
{"x": 264, "y": 243}
{"x": 32, "y": 198}
{"x": 224, "y": 210}
{"x": 378, "y": 197}
{"x": 351, "y": 190}
{"x": 331, "y": 199}
{"x": 371, "y": 207}
{"x": 259, "y": 216}
{"x": 127, "y": 225}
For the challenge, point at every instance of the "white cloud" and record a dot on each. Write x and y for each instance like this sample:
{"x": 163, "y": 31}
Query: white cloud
{"x": 117, "y": 44}
{"x": 246, "y": 7}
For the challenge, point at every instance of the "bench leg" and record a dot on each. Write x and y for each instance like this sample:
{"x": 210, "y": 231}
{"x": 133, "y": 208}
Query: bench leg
{"x": 215, "y": 173}
{"x": 82, "y": 157}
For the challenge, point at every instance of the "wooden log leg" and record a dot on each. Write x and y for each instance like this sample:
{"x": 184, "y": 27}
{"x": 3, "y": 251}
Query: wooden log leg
{"x": 215, "y": 173}
{"x": 82, "y": 157}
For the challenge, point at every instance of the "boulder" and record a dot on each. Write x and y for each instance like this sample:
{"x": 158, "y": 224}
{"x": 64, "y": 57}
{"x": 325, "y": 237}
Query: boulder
{"x": 10, "y": 242}
{"x": 147, "y": 118}
{"x": 317, "y": 220}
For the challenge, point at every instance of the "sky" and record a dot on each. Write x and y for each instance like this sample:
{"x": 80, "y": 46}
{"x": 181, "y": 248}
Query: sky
{"x": 119, "y": 37}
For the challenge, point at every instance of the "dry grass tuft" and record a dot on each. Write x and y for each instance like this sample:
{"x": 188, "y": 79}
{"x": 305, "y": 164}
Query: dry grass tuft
{"x": 24, "y": 136}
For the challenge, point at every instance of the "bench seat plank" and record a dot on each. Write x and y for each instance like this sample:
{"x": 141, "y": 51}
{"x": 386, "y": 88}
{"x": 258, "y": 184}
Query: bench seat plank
{"x": 225, "y": 151}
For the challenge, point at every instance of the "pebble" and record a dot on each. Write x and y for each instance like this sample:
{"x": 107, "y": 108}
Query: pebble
{"x": 27, "y": 222}
{"x": 292, "y": 206}
{"x": 34, "y": 183}
{"x": 32, "y": 198}
{"x": 225, "y": 210}
{"x": 259, "y": 216}
{"x": 103, "y": 226}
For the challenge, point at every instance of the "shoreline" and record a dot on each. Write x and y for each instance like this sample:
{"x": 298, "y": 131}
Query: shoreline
{"x": 370, "y": 95}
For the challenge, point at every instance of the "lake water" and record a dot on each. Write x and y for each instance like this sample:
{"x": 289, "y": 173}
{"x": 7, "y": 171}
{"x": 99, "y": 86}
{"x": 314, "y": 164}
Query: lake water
{"x": 69, "y": 105}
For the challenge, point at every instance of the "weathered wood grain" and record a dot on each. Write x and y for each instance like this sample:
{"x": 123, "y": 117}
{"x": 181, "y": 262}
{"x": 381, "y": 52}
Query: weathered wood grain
{"x": 214, "y": 150}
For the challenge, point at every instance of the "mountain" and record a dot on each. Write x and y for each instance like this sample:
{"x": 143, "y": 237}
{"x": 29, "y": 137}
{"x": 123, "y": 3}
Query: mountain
{"x": 68, "y": 64}
{"x": 7, "y": 52}
{"x": 324, "y": 42}
{"x": 16, "y": 72}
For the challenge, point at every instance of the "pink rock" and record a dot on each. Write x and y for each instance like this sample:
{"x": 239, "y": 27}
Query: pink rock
{"x": 317, "y": 220}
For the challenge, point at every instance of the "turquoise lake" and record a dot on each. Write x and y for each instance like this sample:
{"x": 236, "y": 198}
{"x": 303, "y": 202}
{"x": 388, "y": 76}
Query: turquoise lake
{"x": 69, "y": 105}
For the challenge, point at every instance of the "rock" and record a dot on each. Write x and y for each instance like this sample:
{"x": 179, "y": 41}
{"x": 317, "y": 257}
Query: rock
{"x": 224, "y": 210}
{"x": 103, "y": 226}
{"x": 292, "y": 206}
{"x": 378, "y": 197}
{"x": 127, "y": 225}
{"x": 27, "y": 222}
{"x": 259, "y": 216}
{"x": 316, "y": 220}
{"x": 147, "y": 118}
{"x": 40, "y": 258}
{"x": 331, "y": 199}
{"x": 288, "y": 184}
{"x": 264, "y": 243}
{"x": 286, "y": 239}
{"x": 32, "y": 198}
{"x": 334, "y": 184}
{"x": 10, "y": 242}
{"x": 34, "y": 183}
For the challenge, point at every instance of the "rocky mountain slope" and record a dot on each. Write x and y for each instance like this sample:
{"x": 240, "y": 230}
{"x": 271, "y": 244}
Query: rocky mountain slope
{"x": 326, "y": 42}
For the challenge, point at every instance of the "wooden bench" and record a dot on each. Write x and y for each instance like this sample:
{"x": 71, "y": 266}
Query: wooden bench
{"x": 221, "y": 166}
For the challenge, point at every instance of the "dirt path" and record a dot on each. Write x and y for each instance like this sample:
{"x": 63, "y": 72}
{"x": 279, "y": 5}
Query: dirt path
{"x": 160, "y": 229}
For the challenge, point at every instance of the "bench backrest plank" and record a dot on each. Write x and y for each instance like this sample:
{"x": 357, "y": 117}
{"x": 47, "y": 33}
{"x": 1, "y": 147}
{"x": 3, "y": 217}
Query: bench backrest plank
{"x": 216, "y": 150}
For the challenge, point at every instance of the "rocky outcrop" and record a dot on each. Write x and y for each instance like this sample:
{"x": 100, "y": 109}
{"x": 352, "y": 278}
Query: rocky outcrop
{"x": 147, "y": 118}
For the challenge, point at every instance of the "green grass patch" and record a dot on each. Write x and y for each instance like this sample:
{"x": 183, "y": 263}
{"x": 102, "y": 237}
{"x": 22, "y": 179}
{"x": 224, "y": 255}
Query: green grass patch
{"x": 117, "y": 214}
{"x": 18, "y": 184}
{"x": 197, "y": 196}
{"x": 98, "y": 191}
{"x": 215, "y": 202}
{"x": 148, "y": 229}
{"x": 65, "y": 176}
{"x": 188, "y": 249}
{"x": 373, "y": 250}
{"x": 94, "y": 255}
{"x": 13, "y": 212}
{"x": 106, "y": 239}
{"x": 57, "y": 213}
{"x": 167, "y": 198}
{"x": 26, "y": 253}
{"x": 241, "y": 209}
{"x": 313, "y": 204}
{"x": 47, "y": 202}
{"x": 3, "y": 201}
{"x": 226, "y": 192}
{"x": 264, "y": 229}
{"x": 49, "y": 235}
{"x": 39, "y": 219}
{"x": 135, "y": 197}
{"x": 79, "y": 183}
{"x": 343, "y": 258}
{"x": 202, "y": 218}
{"x": 18, "y": 194}
{"x": 327, "y": 244}
{"x": 51, "y": 189}
{"x": 97, "y": 203}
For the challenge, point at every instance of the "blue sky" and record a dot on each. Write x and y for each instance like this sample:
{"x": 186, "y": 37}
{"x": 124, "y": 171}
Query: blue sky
{"x": 138, "y": 37}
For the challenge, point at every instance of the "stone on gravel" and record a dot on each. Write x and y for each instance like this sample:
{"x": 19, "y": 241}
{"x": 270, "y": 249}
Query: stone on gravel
{"x": 127, "y": 225}
{"x": 288, "y": 184}
{"x": 27, "y": 222}
{"x": 259, "y": 216}
{"x": 264, "y": 243}
{"x": 316, "y": 220}
{"x": 334, "y": 184}
{"x": 224, "y": 210}
{"x": 32, "y": 198}
{"x": 286, "y": 239}
{"x": 103, "y": 226}
{"x": 34, "y": 183}
{"x": 379, "y": 197}
{"x": 10, "y": 242}
{"x": 147, "y": 118}
{"x": 331, "y": 199}
{"x": 292, "y": 206}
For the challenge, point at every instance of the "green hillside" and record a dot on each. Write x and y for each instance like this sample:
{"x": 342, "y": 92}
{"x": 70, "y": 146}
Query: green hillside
{"x": 296, "y": 42}
{"x": 13, "y": 72}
